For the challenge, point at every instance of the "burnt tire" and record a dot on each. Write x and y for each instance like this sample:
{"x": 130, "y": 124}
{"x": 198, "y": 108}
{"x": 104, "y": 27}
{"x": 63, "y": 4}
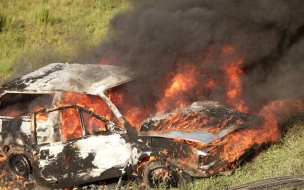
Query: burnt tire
{"x": 18, "y": 163}
{"x": 157, "y": 175}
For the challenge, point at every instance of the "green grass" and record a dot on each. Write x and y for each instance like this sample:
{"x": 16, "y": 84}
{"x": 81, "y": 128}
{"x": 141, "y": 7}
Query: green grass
{"x": 34, "y": 33}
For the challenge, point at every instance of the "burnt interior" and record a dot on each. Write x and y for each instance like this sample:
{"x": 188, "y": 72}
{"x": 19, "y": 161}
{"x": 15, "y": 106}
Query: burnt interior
{"x": 17, "y": 104}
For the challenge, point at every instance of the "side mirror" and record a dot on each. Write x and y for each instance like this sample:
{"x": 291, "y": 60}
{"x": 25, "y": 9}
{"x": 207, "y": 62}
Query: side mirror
{"x": 112, "y": 127}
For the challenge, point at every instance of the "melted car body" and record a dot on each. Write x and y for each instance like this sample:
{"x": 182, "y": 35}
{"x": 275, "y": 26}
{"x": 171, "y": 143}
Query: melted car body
{"x": 68, "y": 145}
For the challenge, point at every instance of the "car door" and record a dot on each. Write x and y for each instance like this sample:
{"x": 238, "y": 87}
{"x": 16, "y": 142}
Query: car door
{"x": 101, "y": 153}
{"x": 57, "y": 161}
{"x": 47, "y": 154}
{"x": 85, "y": 151}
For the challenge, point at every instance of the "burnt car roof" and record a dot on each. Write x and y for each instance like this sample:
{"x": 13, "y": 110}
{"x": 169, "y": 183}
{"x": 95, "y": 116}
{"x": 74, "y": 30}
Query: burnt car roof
{"x": 201, "y": 122}
{"x": 79, "y": 78}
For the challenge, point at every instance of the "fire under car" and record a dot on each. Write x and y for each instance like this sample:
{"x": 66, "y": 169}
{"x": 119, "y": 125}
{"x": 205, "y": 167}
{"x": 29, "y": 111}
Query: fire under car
{"x": 61, "y": 145}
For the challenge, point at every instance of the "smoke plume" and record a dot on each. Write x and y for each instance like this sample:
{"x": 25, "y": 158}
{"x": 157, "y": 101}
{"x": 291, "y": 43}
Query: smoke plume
{"x": 159, "y": 38}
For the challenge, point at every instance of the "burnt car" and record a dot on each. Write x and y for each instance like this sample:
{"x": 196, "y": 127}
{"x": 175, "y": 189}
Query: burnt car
{"x": 65, "y": 145}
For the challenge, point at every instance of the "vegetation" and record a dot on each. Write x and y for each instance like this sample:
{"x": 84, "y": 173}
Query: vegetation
{"x": 37, "y": 32}
{"x": 34, "y": 33}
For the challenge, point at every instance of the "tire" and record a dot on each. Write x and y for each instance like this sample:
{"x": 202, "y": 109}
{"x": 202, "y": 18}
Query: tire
{"x": 157, "y": 175}
{"x": 18, "y": 163}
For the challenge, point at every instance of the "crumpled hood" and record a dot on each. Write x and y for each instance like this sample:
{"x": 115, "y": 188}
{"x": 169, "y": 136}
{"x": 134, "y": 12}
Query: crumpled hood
{"x": 201, "y": 122}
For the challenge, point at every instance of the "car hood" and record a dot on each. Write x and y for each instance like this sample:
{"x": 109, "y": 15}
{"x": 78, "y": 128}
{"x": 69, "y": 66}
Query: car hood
{"x": 200, "y": 122}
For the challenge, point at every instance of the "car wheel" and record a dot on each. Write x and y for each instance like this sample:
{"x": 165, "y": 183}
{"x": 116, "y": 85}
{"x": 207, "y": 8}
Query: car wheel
{"x": 18, "y": 163}
{"x": 157, "y": 175}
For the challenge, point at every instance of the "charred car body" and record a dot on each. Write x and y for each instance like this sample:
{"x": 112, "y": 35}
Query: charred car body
{"x": 41, "y": 144}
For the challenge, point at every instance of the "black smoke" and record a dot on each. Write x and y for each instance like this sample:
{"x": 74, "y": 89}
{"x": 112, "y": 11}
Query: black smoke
{"x": 157, "y": 36}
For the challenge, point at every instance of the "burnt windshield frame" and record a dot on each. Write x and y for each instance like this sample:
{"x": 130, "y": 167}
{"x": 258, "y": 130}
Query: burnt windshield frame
{"x": 80, "y": 109}
{"x": 103, "y": 119}
{"x": 106, "y": 122}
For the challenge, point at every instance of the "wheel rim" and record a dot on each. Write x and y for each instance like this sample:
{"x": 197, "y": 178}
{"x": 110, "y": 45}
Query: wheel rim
{"x": 162, "y": 177}
{"x": 20, "y": 165}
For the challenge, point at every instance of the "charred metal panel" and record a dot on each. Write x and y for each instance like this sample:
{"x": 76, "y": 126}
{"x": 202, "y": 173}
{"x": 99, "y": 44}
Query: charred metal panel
{"x": 83, "y": 160}
{"x": 116, "y": 148}
{"x": 22, "y": 83}
{"x": 12, "y": 125}
{"x": 181, "y": 155}
{"x": 201, "y": 122}
{"x": 15, "y": 131}
{"x": 46, "y": 129}
{"x": 26, "y": 127}
{"x": 78, "y": 78}
{"x": 132, "y": 133}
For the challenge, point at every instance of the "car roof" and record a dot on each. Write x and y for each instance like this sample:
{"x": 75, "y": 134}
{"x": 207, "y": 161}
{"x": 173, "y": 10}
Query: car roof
{"x": 79, "y": 78}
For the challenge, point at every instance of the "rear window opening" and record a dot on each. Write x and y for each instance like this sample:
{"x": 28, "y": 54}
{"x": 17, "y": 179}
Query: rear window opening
{"x": 18, "y": 104}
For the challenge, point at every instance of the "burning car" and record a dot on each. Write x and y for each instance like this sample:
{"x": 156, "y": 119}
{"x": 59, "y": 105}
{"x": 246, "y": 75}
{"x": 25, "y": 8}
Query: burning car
{"x": 62, "y": 143}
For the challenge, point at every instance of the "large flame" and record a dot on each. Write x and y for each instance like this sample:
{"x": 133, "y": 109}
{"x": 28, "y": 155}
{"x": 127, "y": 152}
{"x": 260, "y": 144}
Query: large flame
{"x": 182, "y": 88}
{"x": 234, "y": 86}
{"x": 177, "y": 95}
{"x": 231, "y": 147}
{"x": 134, "y": 115}
{"x": 181, "y": 83}
{"x": 93, "y": 103}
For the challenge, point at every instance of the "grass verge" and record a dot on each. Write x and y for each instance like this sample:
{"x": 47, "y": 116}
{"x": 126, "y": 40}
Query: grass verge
{"x": 34, "y": 33}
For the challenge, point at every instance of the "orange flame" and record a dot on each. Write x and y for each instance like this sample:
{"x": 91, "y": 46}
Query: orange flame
{"x": 93, "y": 103}
{"x": 191, "y": 122}
{"x": 71, "y": 129}
{"x": 177, "y": 94}
{"x": 134, "y": 115}
{"x": 181, "y": 83}
{"x": 235, "y": 144}
{"x": 231, "y": 146}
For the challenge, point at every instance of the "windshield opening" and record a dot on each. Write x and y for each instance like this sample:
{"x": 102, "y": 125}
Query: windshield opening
{"x": 91, "y": 102}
